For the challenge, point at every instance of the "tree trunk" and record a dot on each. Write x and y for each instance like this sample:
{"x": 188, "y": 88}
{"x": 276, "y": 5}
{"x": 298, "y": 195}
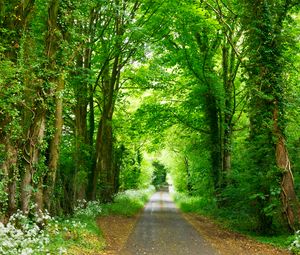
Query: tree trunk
{"x": 104, "y": 148}
{"x": 31, "y": 155}
{"x": 12, "y": 182}
{"x": 212, "y": 114}
{"x": 14, "y": 18}
{"x": 105, "y": 165}
{"x": 188, "y": 175}
{"x": 230, "y": 67}
{"x": 227, "y": 113}
{"x": 52, "y": 46}
{"x": 266, "y": 48}
{"x": 54, "y": 145}
{"x": 9, "y": 168}
{"x": 289, "y": 200}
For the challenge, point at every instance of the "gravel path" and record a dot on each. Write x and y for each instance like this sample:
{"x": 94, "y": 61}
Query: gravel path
{"x": 161, "y": 230}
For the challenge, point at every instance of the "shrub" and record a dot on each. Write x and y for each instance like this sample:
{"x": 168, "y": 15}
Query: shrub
{"x": 90, "y": 209}
{"x": 294, "y": 247}
{"x": 23, "y": 235}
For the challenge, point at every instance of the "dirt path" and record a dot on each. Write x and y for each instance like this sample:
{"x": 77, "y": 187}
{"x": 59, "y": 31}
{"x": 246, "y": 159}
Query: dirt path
{"x": 228, "y": 242}
{"x": 116, "y": 230}
{"x": 162, "y": 230}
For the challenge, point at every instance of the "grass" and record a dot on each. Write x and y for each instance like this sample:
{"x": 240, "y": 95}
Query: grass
{"x": 236, "y": 221}
{"x": 76, "y": 235}
{"x": 127, "y": 203}
{"x": 194, "y": 203}
{"x": 282, "y": 241}
{"x": 80, "y": 234}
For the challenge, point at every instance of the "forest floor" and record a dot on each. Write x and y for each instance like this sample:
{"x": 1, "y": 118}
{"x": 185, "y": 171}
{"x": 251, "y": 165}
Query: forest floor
{"x": 118, "y": 230}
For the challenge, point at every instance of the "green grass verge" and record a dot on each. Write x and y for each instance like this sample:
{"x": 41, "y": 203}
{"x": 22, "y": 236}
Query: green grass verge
{"x": 238, "y": 222}
{"x": 76, "y": 235}
{"x": 80, "y": 234}
{"x": 282, "y": 241}
{"x": 127, "y": 203}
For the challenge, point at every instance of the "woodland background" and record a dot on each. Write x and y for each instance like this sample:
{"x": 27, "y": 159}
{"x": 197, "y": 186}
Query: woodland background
{"x": 101, "y": 96}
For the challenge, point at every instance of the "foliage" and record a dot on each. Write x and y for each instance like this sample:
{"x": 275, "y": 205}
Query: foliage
{"x": 130, "y": 169}
{"x": 42, "y": 234}
{"x": 128, "y": 203}
{"x": 22, "y": 235}
{"x": 198, "y": 204}
{"x": 103, "y": 96}
{"x": 295, "y": 245}
{"x": 79, "y": 233}
{"x": 159, "y": 175}
{"x": 90, "y": 209}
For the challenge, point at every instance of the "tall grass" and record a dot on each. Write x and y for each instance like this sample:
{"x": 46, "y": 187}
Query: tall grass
{"x": 197, "y": 204}
{"x": 128, "y": 203}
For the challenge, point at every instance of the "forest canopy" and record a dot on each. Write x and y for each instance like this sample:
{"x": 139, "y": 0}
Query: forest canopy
{"x": 101, "y": 96}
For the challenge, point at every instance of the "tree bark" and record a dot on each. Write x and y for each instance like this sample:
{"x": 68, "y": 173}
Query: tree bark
{"x": 12, "y": 182}
{"x": 52, "y": 40}
{"x": 9, "y": 168}
{"x": 230, "y": 67}
{"x": 31, "y": 153}
{"x": 104, "y": 148}
{"x": 189, "y": 186}
{"x": 54, "y": 145}
{"x": 266, "y": 70}
{"x": 289, "y": 200}
{"x": 212, "y": 113}
{"x": 14, "y": 18}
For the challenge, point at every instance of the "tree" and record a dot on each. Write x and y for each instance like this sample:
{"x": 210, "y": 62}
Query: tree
{"x": 264, "y": 21}
{"x": 131, "y": 24}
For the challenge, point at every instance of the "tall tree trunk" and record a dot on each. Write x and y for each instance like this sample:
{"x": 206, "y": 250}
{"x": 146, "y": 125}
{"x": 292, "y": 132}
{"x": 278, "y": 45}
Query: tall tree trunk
{"x": 212, "y": 114}
{"x": 289, "y": 200}
{"x": 14, "y": 18}
{"x": 105, "y": 165}
{"x": 54, "y": 145}
{"x": 83, "y": 137}
{"x": 13, "y": 177}
{"x": 31, "y": 154}
{"x": 104, "y": 155}
{"x": 230, "y": 66}
{"x": 227, "y": 112}
{"x": 264, "y": 21}
{"x": 104, "y": 148}
{"x": 52, "y": 41}
{"x": 109, "y": 75}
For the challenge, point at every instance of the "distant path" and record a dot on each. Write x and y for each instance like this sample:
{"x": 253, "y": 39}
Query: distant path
{"x": 161, "y": 230}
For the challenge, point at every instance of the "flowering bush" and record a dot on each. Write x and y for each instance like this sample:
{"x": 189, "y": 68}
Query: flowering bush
{"x": 91, "y": 209}
{"x": 24, "y": 236}
{"x": 40, "y": 234}
{"x": 295, "y": 245}
{"x": 141, "y": 194}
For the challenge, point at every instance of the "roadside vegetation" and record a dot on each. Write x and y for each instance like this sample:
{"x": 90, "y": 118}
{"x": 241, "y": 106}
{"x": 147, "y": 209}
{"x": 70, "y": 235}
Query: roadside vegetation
{"x": 237, "y": 222}
{"x": 76, "y": 234}
{"x": 98, "y": 97}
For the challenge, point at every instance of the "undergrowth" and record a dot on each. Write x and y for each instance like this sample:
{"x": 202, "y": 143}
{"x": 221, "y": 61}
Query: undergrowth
{"x": 236, "y": 220}
{"x": 128, "y": 203}
{"x": 40, "y": 234}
